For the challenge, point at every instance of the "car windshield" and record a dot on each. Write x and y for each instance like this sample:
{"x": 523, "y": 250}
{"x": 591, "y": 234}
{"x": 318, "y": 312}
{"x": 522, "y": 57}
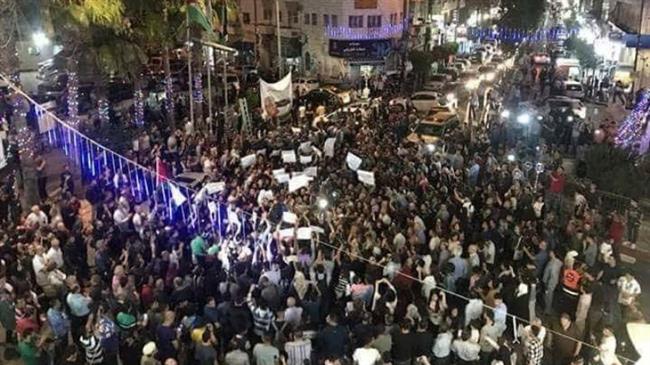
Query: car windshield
{"x": 428, "y": 129}
{"x": 574, "y": 87}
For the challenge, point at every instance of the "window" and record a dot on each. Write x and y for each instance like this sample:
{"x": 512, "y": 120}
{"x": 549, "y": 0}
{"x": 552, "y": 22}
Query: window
{"x": 267, "y": 14}
{"x": 326, "y": 20}
{"x": 314, "y": 19}
{"x": 307, "y": 18}
{"x": 293, "y": 17}
{"x": 246, "y": 18}
{"x": 356, "y": 21}
{"x": 374, "y": 21}
{"x": 334, "y": 20}
{"x": 393, "y": 19}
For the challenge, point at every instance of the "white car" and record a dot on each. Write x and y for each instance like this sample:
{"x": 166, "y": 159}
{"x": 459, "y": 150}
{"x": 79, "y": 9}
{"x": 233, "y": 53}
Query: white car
{"x": 305, "y": 85}
{"x": 564, "y": 105}
{"x": 437, "y": 82}
{"x": 574, "y": 89}
{"x": 423, "y": 101}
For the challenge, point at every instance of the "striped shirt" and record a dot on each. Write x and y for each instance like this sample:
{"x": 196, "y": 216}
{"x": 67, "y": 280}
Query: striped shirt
{"x": 298, "y": 351}
{"x": 263, "y": 318}
{"x": 94, "y": 352}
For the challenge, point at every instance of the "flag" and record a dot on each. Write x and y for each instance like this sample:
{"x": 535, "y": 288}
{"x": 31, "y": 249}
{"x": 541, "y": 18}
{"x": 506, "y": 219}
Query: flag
{"x": 162, "y": 170}
{"x": 178, "y": 197}
{"x": 196, "y": 16}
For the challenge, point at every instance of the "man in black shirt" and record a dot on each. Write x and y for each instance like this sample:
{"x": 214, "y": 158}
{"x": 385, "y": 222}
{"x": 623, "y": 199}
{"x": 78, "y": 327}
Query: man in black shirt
{"x": 422, "y": 340}
{"x": 403, "y": 346}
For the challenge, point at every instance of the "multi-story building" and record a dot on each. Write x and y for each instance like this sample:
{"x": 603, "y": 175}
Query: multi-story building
{"x": 631, "y": 17}
{"x": 331, "y": 38}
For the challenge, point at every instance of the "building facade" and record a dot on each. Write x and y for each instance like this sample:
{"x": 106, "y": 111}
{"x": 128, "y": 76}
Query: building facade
{"x": 333, "y": 39}
{"x": 631, "y": 19}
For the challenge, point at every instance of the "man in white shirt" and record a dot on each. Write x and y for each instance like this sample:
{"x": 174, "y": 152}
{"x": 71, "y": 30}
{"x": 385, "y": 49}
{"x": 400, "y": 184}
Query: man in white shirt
{"x": 628, "y": 289}
{"x": 40, "y": 266}
{"x": 54, "y": 254}
{"x": 121, "y": 219}
{"x": 442, "y": 345}
{"x": 465, "y": 349}
{"x": 366, "y": 355}
{"x": 36, "y": 218}
{"x": 293, "y": 314}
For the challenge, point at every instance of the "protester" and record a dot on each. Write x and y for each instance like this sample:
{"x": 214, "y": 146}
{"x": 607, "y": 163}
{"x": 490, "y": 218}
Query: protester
{"x": 454, "y": 245}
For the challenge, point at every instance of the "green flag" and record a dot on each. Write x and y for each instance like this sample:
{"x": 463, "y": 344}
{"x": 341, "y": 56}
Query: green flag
{"x": 196, "y": 16}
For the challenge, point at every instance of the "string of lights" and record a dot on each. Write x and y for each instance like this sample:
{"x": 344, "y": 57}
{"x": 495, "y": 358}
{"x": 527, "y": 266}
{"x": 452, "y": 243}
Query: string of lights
{"x": 73, "y": 98}
{"x": 103, "y": 110}
{"x": 198, "y": 88}
{"x": 138, "y": 106}
{"x": 169, "y": 95}
{"x": 633, "y": 134}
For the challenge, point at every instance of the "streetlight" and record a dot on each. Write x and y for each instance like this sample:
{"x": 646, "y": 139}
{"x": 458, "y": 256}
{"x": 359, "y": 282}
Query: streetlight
{"x": 523, "y": 118}
{"x": 431, "y": 147}
{"x": 505, "y": 114}
{"x": 322, "y": 203}
{"x": 40, "y": 39}
{"x": 511, "y": 157}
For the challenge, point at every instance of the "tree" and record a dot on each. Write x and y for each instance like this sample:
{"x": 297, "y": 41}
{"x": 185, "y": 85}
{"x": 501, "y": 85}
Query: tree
{"x": 443, "y": 52}
{"x": 583, "y": 51}
{"x": 421, "y": 62}
{"x": 8, "y": 36}
{"x": 522, "y": 14}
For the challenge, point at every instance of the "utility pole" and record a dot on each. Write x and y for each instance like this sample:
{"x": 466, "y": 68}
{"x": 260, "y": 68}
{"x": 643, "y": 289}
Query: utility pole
{"x": 638, "y": 48}
{"x": 209, "y": 66}
{"x": 277, "y": 21}
{"x": 190, "y": 79}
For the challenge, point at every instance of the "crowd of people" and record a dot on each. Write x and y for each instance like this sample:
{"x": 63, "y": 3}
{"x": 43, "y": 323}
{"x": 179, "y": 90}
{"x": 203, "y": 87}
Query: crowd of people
{"x": 456, "y": 254}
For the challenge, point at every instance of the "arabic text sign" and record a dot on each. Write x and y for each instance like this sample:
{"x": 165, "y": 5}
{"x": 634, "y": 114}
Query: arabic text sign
{"x": 373, "y": 49}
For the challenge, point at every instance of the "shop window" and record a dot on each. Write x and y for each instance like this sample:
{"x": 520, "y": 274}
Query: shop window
{"x": 374, "y": 21}
{"x": 356, "y": 21}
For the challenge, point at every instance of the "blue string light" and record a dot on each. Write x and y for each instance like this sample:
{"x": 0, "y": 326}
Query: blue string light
{"x": 631, "y": 134}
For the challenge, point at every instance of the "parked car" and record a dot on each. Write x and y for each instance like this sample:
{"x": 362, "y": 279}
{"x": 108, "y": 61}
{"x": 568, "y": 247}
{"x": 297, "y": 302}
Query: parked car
{"x": 452, "y": 72}
{"x": 305, "y": 85}
{"x": 423, "y": 101}
{"x": 437, "y": 82}
{"x": 434, "y": 127}
{"x": 573, "y": 89}
{"x": 564, "y": 106}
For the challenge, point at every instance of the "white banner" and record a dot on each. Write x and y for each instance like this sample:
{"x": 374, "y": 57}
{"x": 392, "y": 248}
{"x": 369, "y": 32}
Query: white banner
{"x": 276, "y": 98}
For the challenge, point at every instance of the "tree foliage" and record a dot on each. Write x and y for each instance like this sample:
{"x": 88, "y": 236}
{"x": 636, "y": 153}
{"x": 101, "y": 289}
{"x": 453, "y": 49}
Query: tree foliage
{"x": 522, "y": 14}
{"x": 613, "y": 170}
{"x": 583, "y": 51}
{"x": 442, "y": 52}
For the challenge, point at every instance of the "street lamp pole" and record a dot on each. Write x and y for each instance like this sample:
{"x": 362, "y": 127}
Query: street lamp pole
{"x": 209, "y": 65}
{"x": 638, "y": 43}
{"x": 279, "y": 39}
